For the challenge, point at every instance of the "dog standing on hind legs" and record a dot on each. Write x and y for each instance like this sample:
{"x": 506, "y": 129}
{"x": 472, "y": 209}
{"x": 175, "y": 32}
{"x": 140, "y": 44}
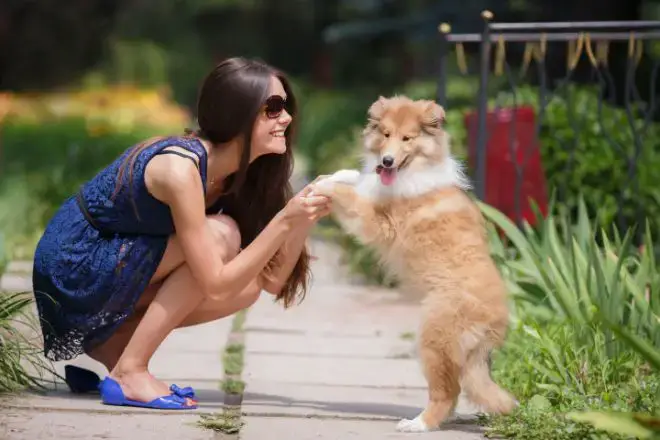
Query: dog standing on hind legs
{"x": 409, "y": 205}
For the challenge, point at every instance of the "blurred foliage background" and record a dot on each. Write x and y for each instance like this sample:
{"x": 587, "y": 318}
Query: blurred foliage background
{"x": 83, "y": 80}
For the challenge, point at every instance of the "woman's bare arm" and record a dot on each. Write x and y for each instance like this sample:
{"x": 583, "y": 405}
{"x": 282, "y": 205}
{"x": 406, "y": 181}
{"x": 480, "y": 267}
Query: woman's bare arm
{"x": 177, "y": 182}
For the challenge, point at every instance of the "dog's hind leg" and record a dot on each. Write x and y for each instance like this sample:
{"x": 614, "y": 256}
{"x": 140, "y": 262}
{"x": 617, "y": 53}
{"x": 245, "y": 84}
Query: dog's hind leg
{"x": 442, "y": 372}
{"x": 479, "y": 386}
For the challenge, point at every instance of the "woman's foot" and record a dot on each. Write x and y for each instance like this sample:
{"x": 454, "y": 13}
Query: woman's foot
{"x": 141, "y": 386}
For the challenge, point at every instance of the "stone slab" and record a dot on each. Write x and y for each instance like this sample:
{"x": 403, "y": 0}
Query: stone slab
{"x": 19, "y": 266}
{"x": 260, "y": 428}
{"x": 273, "y": 399}
{"x": 392, "y": 373}
{"x": 337, "y": 311}
{"x": 187, "y": 354}
{"x": 58, "y": 398}
{"x": 35, "y": 425}
{"x": 190, "y": 356}
{"x": 13, "y": 282}
{"x": 263, "y": 343}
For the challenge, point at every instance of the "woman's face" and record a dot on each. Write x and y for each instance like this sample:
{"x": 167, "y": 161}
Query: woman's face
{"x": 268, "y": 132}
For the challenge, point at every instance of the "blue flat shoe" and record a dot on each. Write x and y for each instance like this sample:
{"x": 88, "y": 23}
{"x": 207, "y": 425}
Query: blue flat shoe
{"x": 112, "y": 394}
{"x": 81, "y": 380}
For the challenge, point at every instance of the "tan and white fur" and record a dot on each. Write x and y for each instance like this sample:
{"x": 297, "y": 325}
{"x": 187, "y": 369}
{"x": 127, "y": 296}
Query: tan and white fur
{"x": 431, "y": 236}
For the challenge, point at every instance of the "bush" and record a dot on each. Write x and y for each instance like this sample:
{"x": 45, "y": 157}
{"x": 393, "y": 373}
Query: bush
{"x": 586, "y": 148}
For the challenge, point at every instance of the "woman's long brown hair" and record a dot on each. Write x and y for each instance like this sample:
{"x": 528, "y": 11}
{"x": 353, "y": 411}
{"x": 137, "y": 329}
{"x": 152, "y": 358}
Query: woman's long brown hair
{"x": 230, "y": 100}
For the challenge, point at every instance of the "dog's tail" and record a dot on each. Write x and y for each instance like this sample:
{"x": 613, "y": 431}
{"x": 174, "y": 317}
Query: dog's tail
{"x": 479, "y": 386}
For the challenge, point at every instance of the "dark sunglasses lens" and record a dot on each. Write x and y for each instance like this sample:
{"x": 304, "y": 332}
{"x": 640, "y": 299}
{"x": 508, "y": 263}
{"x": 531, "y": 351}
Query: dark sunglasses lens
{"x": 274, "y": 106}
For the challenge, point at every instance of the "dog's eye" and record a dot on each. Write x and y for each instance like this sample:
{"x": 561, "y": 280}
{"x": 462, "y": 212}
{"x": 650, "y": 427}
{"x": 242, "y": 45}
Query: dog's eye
{"x": 386, "y": 134}
{"x": 406, "y": 138}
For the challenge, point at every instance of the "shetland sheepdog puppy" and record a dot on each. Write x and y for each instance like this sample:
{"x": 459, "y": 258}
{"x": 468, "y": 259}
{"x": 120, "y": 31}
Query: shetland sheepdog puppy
{"x": 409, "y": 205}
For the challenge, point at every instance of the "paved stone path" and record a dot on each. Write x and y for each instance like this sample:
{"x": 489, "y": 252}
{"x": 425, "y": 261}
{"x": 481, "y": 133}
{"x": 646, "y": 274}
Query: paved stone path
{"x": 341, "y": 365}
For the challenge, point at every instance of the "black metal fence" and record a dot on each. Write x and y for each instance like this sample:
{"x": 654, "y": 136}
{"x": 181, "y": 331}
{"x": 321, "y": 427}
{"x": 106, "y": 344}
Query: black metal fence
{"x": 578, "y": 118}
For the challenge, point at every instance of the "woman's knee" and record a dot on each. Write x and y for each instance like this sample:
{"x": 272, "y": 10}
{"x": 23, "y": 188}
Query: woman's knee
{"x": 227, "y": 239}
{"x": 210, "y": 310}
{"x": 227, "y": 235}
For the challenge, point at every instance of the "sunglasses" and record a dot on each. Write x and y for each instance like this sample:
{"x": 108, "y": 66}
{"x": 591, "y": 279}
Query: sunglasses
{"x": 274, "y": 106}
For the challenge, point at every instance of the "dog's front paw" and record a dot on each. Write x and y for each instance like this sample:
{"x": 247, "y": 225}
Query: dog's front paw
{"x": 414, "y": 425}
{"x": 325, "y": 186}
{"x": 349, "y": 177}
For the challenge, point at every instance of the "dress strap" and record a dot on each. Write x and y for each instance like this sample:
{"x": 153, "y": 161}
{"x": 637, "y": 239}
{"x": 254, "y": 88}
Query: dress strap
{"x": 191, "y": 145}
{"x": 178, "y": 153}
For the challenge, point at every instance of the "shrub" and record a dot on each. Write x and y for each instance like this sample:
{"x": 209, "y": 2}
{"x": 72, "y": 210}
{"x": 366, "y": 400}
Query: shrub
{"x": 587, "y": 148}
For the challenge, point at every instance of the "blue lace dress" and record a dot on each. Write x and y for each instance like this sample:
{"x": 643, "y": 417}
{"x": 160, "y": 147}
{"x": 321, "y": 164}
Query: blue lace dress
{"x": 98, "y": 254}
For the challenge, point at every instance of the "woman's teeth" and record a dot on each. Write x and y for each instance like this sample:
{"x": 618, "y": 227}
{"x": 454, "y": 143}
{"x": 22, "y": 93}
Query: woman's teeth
{"x": 278, "y": 134}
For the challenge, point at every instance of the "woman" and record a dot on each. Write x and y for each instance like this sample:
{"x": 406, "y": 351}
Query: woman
{"x": 178, "y": 231}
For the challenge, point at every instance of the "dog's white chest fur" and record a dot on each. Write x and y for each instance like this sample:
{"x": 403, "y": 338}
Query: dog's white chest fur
{"x": 409, "y": 183}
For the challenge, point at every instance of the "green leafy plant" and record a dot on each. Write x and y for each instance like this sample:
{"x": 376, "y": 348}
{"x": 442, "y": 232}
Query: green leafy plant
{"x": 641, "y": 426}
{"x": 21, "y": 362}
{"x": 585, "y": 328}
{"x": 560, "y": 267}
{"x": 589, "y": 148}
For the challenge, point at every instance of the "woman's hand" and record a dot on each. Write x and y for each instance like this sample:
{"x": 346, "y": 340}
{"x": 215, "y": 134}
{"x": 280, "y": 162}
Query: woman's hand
{"x": 304, "y": 209}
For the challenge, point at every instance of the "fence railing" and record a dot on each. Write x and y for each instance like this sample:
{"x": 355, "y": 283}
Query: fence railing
{"x": 581, "y": 122}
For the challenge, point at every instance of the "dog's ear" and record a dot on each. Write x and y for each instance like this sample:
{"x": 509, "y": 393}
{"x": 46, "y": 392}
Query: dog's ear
{"x": 433, "y": 114}
{"x": 375, "y": 112}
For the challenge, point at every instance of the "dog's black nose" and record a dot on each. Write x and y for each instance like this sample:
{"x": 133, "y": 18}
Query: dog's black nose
{"x": 388, "y": 161}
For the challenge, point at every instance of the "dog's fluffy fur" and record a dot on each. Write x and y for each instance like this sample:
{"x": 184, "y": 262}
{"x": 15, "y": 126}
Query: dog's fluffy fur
{"x": 431, "y": 236}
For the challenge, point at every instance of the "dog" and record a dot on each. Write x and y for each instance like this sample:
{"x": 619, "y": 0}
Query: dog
{"x": 410, "y": 205}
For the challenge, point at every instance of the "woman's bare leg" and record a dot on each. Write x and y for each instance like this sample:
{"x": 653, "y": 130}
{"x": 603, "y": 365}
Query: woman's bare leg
{"x": 174, "y": 299}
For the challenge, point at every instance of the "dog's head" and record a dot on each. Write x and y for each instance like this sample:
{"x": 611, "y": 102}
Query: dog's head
{"x": 403, "y": 135}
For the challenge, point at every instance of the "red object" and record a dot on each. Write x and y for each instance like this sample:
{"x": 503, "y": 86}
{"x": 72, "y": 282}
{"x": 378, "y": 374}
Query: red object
{"x": 506, "y": 159}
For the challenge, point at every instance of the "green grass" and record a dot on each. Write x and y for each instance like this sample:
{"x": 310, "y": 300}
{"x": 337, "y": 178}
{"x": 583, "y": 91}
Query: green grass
{"x": 239, "y": 321}
{"x": 586, "y": 329}
{"x": 22, "y": 365}
{"x": 233, "y": 359}
{"x": 227, "y": 422}
{"x": 407, "y": 336}
{"x": 233, "y": 386}
{"x": 553, "y": 376}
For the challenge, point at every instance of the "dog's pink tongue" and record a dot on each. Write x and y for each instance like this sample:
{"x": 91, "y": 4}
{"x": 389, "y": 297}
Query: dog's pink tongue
{"x": 387, "y": 176}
